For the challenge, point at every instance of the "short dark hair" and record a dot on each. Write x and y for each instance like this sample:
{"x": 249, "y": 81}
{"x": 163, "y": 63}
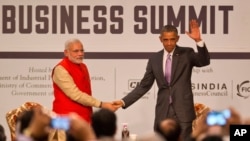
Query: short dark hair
{"x": 169, "y": 28}
{"x": 24, "y": 120}
{"x": 172, "y": 133}
{"x": 104, "y": 123}
{"x": 2, "y": 134}
{"x": 213, "y": 138}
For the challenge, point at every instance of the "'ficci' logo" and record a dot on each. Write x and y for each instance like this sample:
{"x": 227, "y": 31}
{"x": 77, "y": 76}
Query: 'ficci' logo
{"x": 243, "y": 89}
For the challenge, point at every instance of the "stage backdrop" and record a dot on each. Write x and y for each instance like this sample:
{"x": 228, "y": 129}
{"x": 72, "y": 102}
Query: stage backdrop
{"x": 119, "y": 37}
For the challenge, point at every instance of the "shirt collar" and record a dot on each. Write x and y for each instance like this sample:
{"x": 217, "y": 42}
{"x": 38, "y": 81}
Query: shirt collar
{"x": 166, "y": 53}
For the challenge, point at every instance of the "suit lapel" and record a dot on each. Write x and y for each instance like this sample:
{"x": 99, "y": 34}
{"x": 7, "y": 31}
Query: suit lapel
{"x": 175, "y": 61}
{"x": 159, "y": 62}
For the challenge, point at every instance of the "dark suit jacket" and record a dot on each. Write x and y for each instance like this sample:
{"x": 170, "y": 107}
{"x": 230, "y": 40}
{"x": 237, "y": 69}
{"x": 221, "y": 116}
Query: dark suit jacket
{"x": 183, "y": 61}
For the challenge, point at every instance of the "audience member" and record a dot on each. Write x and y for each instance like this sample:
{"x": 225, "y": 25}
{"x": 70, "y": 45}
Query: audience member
{"x": 150, "y": 137}
{"x": 235, "y": 118}
{"x": 200, "y": 126}
{"x": 170, "y": 129}
{"x": 2, "y": 134}
{"x": 216, "y": 132}
{"x": 35, "y": 125}
{"x": 212, "y": 138}
{"x": 80, "y": 129}
{"x": 104, "y": 124}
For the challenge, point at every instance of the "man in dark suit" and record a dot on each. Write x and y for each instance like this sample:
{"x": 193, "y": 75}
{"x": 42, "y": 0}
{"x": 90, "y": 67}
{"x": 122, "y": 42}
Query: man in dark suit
{"x": 175, "y": 97}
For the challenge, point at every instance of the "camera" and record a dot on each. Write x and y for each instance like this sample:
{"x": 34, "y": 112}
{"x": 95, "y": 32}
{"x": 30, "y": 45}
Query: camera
{"x": 60, "y": 122}
{"x": 218, "y": 117}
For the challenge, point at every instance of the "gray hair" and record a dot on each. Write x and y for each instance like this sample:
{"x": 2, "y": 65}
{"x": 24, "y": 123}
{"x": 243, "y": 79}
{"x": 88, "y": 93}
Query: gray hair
{"x": 69, "y": 42}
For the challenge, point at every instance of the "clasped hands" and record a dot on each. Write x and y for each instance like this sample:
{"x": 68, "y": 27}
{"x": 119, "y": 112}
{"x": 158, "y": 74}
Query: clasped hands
{"x": 113, "y": 106}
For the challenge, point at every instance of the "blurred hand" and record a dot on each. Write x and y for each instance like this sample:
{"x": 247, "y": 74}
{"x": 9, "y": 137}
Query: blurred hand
{"x": 110, "y": 106}
{"x": 194, "y": 31}
{"x": 235, "y": 118}
{"x": 80, "y": 129}
{"x": 39, "y": 126}
{"x": 200, "y": 125}
{"x": 118, "y": 103}
{"x": 246, "y": 121}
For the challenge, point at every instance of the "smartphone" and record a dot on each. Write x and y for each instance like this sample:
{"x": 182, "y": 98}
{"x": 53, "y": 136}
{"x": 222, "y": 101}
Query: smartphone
{"x": 226, "y": 113}
{"x": 60, "y": 122}
{"x": 218, "y": 117}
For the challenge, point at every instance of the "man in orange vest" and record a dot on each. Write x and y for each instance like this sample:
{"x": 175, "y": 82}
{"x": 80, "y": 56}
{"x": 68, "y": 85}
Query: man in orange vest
{"x": 71, "y": 83}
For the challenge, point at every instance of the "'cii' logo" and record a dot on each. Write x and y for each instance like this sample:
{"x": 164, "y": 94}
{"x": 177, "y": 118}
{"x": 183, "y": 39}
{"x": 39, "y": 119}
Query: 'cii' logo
{"x": 243, "y": 90}
{"x": 132, "y": 83}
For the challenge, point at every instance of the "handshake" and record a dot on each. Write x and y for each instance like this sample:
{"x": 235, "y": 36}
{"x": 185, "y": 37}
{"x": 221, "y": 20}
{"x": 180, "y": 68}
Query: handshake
{"x": 113, "y": 106}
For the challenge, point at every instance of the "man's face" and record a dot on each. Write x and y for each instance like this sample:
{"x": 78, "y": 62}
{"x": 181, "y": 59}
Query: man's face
{"x": 169, "y": 40}
{"x": 75, "y": 53}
